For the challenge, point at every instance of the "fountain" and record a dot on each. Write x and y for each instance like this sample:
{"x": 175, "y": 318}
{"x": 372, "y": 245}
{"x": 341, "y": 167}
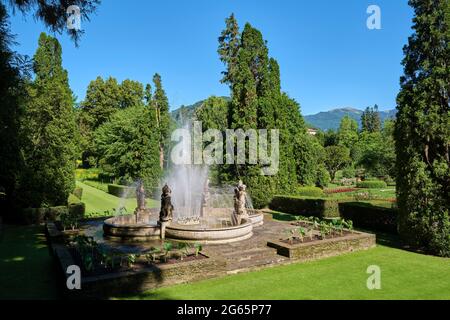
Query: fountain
{"x": 203, "y": 225}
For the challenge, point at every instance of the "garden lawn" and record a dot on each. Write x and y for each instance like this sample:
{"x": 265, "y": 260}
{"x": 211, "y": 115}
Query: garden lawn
{"x": 27, "y": 270}
{"x": 100, "y": 203}
{"x": 404, "y": 275}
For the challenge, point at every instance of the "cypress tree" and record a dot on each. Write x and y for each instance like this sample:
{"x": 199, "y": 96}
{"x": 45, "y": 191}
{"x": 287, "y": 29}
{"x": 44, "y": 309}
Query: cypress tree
{"x": 422, "y": 130}
{"x": 49, "y": 131}
{"x": 160, "y": 105}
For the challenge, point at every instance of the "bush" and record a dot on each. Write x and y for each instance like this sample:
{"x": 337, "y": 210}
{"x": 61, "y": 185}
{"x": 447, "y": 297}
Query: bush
{"x": 121, "y": 191}
{"x": 371, "y": 184}
{"x": 78, "y": 192}
{"x": 303, "y": 206}
{"x": 310, "y": 192}
{"x": 323, "y": 177}
{"x": 369, "y": 216}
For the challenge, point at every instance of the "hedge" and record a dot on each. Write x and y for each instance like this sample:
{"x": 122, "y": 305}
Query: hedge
{"x": 121, "y": 191}
{"x": 373, "y": 184}
{"x": 310, "y": 192}
{"x": 75, "y": 209}
{"x": 303, "y": 206}
{"x": 369, "y": 216}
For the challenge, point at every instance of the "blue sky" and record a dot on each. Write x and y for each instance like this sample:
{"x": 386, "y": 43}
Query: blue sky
{"x": 327, "y": 55}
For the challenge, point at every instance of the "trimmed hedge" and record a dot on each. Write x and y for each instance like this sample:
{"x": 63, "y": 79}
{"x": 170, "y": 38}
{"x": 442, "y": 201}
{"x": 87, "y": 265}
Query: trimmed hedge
{"x": 303, "y": 206}
{"x": 371, "y": 184}
{"x": 310, "y": 192}
{"x": 75, "y": 209}
{"x": 121, "y": 191}
{"x": 369, "y": 216}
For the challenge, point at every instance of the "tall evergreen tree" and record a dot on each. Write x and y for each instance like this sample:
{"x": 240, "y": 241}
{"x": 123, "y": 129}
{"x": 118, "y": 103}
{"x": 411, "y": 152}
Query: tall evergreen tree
{"x": 160, "y": 105}
{"x": 49, "y": 131}
{"x": 258, "y": 103}
{"x": 422, "y": 130}
{"x": 370, "y": 119}
{"x": 229, "y": 44}
{"x": 131, "y": 94}
{"x": 11, "y": 98}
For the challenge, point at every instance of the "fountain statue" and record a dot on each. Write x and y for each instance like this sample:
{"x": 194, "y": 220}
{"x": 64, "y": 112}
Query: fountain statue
{"x": 240, "y": 210}
{"x": 166, "y": 212}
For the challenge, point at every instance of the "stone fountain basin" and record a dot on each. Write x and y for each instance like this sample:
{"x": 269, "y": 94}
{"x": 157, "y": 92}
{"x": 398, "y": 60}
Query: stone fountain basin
{"x": 125, "y": 227}
{"x": 208, "y": 235}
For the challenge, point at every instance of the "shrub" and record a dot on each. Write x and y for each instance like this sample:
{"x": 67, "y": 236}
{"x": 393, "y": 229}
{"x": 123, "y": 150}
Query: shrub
{"x": 78, "y": 192}
{"x": 323, "y": 177}
{"x": 121, "y": 191}
{"x": 369, "y": 216}
{"x": 322, "y": 208}
{"x": 371, "y": 184}
{"x": 310, "y": 192}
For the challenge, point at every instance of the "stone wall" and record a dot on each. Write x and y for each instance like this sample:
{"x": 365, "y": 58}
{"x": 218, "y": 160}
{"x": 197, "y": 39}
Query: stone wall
{"x": 325, "y": 248}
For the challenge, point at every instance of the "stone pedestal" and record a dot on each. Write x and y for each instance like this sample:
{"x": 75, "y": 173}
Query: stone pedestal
{"x": 163, "y": 225}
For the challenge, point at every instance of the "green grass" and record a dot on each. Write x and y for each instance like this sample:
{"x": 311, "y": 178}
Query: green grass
{"x": 404, "y": 275}
{"x": 98, "y": 202}
{"x": 26, "y": 268}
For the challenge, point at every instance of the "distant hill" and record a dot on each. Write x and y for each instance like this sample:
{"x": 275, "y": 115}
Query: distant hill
{"x": 331, "y": 119}
{"x": 322, "y": 120}
{"x": 187, "y": 112}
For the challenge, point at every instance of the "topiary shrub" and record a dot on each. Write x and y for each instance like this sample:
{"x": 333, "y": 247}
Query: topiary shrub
{"x": 369, "y": 216}
{"x": 310, "y": 192}
{"x": 371, "y": 184}
{"x": 121, "y": 191}
{"x": 303, "y": 206}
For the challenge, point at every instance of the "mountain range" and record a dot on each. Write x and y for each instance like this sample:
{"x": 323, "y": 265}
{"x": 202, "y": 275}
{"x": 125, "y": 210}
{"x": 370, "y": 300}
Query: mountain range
{"x": 331, "y": 119}
{"x": 322, "y": 120}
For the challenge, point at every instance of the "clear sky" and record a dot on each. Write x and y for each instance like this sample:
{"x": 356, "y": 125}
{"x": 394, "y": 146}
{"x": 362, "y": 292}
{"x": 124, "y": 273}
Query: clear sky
{"x": 327, "y": 55}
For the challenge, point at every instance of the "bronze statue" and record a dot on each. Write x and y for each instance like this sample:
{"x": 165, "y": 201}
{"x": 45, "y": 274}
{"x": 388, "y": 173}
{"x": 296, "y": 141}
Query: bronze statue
{"x": 166, "y": 212}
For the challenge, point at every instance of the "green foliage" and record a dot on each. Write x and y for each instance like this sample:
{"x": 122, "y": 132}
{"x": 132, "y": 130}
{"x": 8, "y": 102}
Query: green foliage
{"x": 422, "y": 131}
{"x": 160, "y": 109}
{"x": 370, "y": 217}
{"x": 49, "y": 131}
{"x": 370, "y": 120}
{"x": 336, "y": 158}
{"x": 11, "y": 111}
{"x": 375, "y": 153}
{"x": 258, "y": 103}
{"x": 310, "y": 192}
{"x": 128, "y": 146}
{"x": 372, "y": 184}
{"x": 304, "y": 206}
{"x": 347, "y": 134}
{"x": 323, "y": 177}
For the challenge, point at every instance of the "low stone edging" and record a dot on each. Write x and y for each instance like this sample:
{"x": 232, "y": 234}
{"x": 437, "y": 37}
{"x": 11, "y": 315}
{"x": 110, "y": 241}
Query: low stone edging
{"x": 135, "y": 282}
{"x": 324, "y": 248}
